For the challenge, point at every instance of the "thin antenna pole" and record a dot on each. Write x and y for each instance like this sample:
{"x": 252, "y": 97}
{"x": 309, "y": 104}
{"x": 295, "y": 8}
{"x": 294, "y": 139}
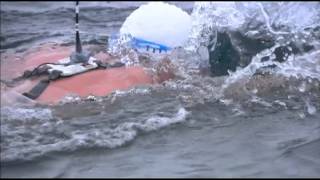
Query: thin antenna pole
{"x": 78, "y": 42}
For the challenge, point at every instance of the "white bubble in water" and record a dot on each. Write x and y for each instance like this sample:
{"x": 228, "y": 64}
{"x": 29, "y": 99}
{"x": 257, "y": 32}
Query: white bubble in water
{"x": 301, "y": 115}
{"x": 280, "y": 103}
{"x": 255, "y": 91}
{"x": 302, "y": 87}
{"x": 310, "y": 108}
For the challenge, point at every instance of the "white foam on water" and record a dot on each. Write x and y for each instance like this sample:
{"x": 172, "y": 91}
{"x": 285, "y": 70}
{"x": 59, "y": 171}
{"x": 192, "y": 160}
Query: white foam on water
{"x": 208, "y": 17}
{"x": 281, "y": 103}
{"x": 281, "y": 22}
{"x": 260, "y": 101}
{"x": 26, "y": 114}
{"x": 311, "y": 109}
{"x": 302, "y": 66}
{"x": 248, "y": 71}
{"x": 155, "y": 123}
{"x": 28, "y": 141}
{"x": 279, "y": 19}
{"x": 267, "y": 21}
{"x": 136, "y": 90}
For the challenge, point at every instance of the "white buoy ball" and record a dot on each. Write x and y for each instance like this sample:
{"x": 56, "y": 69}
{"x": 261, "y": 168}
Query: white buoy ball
{"x": 160, "y": 23}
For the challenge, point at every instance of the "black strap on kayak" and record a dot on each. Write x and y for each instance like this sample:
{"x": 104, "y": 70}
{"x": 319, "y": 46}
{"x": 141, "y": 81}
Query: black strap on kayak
{"x": 37, "y": 90}
{"x": 38, "y": 71}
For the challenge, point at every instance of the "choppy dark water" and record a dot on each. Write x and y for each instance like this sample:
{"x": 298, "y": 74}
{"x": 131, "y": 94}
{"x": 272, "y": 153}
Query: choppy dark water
{"x": 258, "y": 127}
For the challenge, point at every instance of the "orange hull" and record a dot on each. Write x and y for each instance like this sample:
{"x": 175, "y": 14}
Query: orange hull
{"x": 95, "y": 82}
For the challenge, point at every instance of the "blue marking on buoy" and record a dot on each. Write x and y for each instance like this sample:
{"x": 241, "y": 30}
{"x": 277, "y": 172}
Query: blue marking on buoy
{"x": 139, "y": 43}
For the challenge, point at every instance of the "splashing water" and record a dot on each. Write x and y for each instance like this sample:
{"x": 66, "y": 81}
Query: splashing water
{"x": 275, "y": 20}
{"x": 42, "y": 133}
{"x": 272, "y": 21}
{"x": 28, "y": 133}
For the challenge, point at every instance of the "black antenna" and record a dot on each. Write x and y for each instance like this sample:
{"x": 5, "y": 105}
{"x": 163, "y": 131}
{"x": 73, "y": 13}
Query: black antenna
{"x": 78, "y": 56}
{"x": 78, "y": 42}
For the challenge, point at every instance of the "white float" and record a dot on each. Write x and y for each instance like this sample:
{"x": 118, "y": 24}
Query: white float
{"x": 72, "y": 69}
{"x": 159, "y": 22}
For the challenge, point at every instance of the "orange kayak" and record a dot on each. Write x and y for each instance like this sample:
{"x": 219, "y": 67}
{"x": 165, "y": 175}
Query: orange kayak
{"x": 99, "y": 82}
